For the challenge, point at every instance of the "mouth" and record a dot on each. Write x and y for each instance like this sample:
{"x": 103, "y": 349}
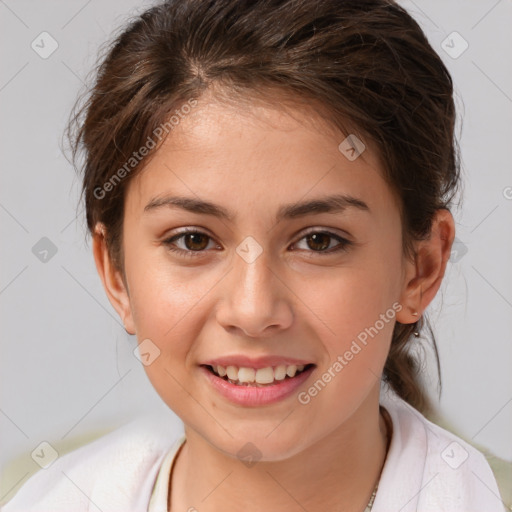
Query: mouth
{"x": 257, "y": 377}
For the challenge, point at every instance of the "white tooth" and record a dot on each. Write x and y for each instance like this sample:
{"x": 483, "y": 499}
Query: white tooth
{"x": 265, "y": 375}
{"x": 221, "y": 370}
{"x": 246, "y": 374}
{"x": 280, "y": 372}
{"x": 300, "y": 367}
{"x": 291, "y": 370}
{"x": 232, "y": 372}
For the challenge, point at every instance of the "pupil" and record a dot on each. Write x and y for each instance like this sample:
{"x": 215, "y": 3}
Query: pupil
{"x": 315, "y": 237}
{"x": 190, "y": 236}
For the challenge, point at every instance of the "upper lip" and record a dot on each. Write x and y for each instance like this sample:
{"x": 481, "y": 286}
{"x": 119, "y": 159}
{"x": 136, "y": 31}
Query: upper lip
{"x": 257, "y": 362}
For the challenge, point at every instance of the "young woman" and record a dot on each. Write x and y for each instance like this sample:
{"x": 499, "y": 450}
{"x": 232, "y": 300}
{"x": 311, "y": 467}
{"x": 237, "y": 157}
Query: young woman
{"x": 268, "y": 187}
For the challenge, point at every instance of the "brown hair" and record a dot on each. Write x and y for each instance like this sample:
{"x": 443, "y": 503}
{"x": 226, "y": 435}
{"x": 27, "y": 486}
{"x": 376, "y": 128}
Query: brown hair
{"x": 367, "y": 62}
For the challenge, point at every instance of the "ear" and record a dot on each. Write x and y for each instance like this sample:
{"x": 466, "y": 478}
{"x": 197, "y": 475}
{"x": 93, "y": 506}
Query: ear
{"x": 424, "y": 276}
{"x": 111, "y": 278}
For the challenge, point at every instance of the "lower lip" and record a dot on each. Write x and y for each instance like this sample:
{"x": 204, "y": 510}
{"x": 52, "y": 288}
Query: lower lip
{"x": 253, "y": 395}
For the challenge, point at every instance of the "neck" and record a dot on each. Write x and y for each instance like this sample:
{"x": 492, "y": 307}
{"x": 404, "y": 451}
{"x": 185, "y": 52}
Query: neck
{"x": 339, "y": 472}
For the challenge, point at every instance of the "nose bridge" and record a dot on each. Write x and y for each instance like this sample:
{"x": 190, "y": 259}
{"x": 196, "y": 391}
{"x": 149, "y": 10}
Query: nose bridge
{"x": 254, "y": 279}
{"x": 255, "y": 298}
{"x": 253, "y": 267}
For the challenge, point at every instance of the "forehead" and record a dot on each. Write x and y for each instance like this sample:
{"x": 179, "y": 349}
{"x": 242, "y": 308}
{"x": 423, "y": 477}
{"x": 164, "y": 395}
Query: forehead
{"x": 256, "y": 154}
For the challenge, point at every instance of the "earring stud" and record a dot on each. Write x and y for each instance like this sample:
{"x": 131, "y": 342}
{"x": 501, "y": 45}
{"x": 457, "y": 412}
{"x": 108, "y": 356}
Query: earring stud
{"x": 416, "y": 333}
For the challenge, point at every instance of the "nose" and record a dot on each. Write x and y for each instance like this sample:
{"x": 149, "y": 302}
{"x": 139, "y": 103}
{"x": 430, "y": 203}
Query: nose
{"x": 256, "y": 301}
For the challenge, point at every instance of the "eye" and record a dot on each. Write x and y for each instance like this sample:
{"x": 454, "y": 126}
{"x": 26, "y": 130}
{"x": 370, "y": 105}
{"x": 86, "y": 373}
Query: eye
{"x": 320, "y": 241}
{"x": 196, "y": 241}
{"x": 193, "y": 239}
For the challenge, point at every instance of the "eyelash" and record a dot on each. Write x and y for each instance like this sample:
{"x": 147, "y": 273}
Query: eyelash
{"x": 343, "y": 245}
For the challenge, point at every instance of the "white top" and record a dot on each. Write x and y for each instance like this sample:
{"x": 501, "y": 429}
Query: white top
{"x": 427, "y": 469}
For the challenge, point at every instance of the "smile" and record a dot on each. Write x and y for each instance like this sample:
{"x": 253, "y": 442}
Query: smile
{"x": 259, "y": 377}
{"x": 251, "y": 387}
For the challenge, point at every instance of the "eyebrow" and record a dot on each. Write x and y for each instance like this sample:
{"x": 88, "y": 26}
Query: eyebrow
{"x": 328, "y": 204}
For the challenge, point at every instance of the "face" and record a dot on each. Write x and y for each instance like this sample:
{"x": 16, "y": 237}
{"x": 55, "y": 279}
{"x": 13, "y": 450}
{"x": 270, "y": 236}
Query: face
{"x": 315, "y": 287}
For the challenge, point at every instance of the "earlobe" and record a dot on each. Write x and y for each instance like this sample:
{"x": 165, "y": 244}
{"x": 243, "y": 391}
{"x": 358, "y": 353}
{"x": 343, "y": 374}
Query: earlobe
{"x": 426, "y": 274}
{"x": 111, "y": 278}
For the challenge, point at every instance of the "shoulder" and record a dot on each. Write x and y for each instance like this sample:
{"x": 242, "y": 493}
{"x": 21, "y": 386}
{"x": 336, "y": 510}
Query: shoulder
{"x": 434, "y": 469}
{"x": 113, "y": 473}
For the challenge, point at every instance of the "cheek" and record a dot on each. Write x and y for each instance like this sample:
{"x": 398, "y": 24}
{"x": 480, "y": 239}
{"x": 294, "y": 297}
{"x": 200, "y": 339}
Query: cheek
{"x": 166, "y": 311}
{"x": 170, "y": 306}
{"x": 160, "y": 293}
{"x": 354, "y": 316}
{"x": 348, "y": 299}
{"x": 167, "y": 314}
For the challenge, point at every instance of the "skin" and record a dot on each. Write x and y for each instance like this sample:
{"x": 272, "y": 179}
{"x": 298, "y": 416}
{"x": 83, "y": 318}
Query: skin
{"x": 298, "y": 303}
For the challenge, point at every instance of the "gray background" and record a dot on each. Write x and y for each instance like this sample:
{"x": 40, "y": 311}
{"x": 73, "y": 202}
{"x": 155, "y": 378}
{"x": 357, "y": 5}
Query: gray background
{"x": 67, "y": 369}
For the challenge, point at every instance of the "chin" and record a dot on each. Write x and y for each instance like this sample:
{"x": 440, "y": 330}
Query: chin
{"x": 257, "y": 445}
